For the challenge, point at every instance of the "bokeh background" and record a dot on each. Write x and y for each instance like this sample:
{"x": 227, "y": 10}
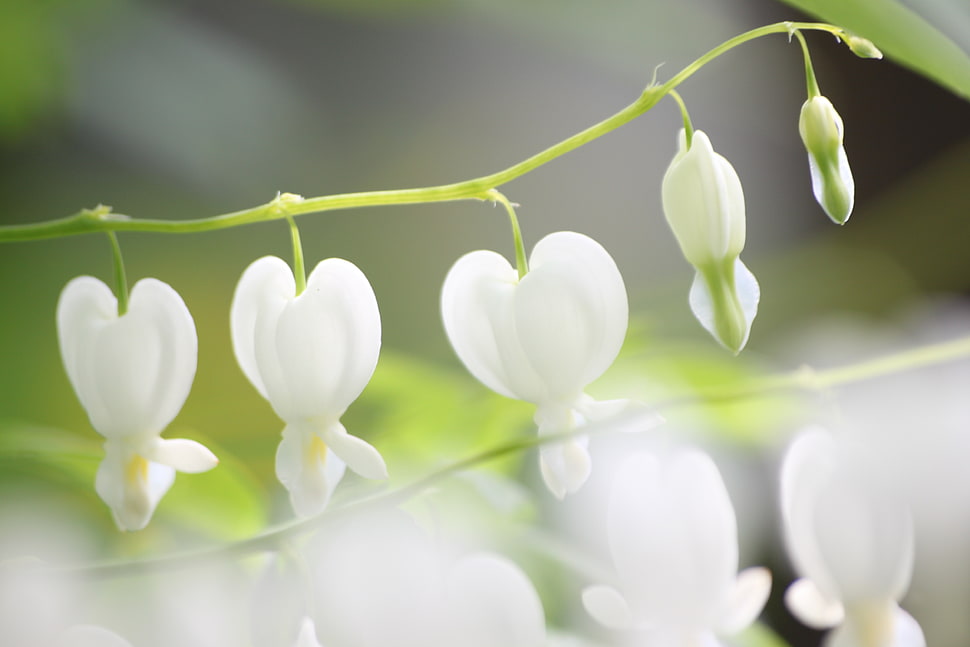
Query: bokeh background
{"x": 185, "y": 109}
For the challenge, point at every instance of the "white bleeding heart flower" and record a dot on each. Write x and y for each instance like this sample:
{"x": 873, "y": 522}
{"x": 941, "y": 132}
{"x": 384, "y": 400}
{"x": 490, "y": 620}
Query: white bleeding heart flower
{"x": 674, "y": 541}
{"x": 704, "y": 205}
{"x": 820, "y": 127}
{"x": 850, "y": 536}
{"x": 542, "y": 338}
{"x": 310, "y": 355}
{"x": 132, "y": 374}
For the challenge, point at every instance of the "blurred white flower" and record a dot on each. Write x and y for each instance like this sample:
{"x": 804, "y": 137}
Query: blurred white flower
{"x": 673, "y": 537}
{"x": 850, "y": 536}
{"x": 704, "y": 205}
{"x": 821, "y": 129}
{"x": 543, "y": 338}
{"x": 310, "y": 355}
{"x": 379, "y": 580}
{"x": 132, "y": 375}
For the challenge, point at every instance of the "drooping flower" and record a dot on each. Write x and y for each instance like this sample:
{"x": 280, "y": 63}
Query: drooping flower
{"x": 851, "y": 538}
{"x": 543, "y": 338}
{"x": 820, "y": 127}
{"x": 704, "y": 205}
{"x": 132, "y": 374}
{"x": 310, "y": 355}
{"x": 674, "y": 541}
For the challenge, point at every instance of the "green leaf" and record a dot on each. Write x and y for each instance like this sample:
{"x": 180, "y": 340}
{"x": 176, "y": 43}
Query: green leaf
{"x": 902, "y": 34}
{"x": 758, "y": 635}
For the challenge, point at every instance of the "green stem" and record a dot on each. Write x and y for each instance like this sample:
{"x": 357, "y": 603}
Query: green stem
{"x": 803, "y": 379}
{"x": 121, "y": 281}
{"x": 810, "y": 82}
{"x": 521, "y": 263}
{"x": 299, "y": 268}
{"x": 688, "y": 126}
{"x": 101, "y": 218}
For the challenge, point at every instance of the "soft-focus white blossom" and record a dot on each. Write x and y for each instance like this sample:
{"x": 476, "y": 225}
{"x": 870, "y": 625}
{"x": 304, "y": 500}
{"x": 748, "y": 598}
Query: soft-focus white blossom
{"x": 310, "y": 355}
{"x": 379, "y": 580}
{"x": 704, "y": 205}
{"x": 674, "y": 541}
{"x": 850, "y": 536}
{"x": 821, "y": 129}
{"x": 132, "y": 375}
{"x": 543, "y": 338}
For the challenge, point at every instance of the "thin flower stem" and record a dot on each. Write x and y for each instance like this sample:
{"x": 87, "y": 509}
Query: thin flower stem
{"x": 803, "y": 379}
{"x": 688, "y": 126}
{"x": 101, "y": 218}
{"x": 121, "y": 281}
{"x": 521, "y": 263}
{"x": 299, "y": 268}
{"x": 811, "y": 83}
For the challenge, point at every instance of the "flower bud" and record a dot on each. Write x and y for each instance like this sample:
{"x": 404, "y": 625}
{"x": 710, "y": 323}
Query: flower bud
{"x": 821, "y": 129}
{"x": 703, "y": 202}
{"x": 704, "y": 205}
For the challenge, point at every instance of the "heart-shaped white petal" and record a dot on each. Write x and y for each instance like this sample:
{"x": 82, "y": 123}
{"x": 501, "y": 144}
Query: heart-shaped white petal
{"x": 311, "y": 355}
{"x": 132, "y": 373}
{"x": 545, "y": 337}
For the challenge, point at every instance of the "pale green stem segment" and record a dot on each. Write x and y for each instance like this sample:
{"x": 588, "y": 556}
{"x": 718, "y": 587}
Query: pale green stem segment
{"x": 688, "y": 126}
{"x": 121, "y": 281}
{"x": 810, "y": 82}
{"x": 299, "y": 268}
{"x": 101, "y": 218}
{"x": 803, "y": 379}
{"x": 521, "y": 263}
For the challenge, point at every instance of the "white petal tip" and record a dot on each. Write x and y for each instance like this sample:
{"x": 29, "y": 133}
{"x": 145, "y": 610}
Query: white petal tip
{"x": 812, "y": 607}
{"x": 607, "y": 606}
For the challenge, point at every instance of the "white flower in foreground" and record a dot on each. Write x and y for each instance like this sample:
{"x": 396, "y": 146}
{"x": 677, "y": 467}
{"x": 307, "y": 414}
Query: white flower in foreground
{"x": 310, "y": 355}
{"x": 851, "y": 539}
{"x": 132, "y": 375}
{"x": 90, "y": 636}
{"x": 674, "y": 541}
{"x": 821, "y": 129}
{"x": 704, "y": 205}
{"x": 543, "y": 338}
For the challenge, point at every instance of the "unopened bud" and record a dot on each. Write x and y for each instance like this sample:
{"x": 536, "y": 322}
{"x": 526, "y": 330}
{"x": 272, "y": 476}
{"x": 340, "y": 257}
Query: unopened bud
{"x": 821, "y": 129}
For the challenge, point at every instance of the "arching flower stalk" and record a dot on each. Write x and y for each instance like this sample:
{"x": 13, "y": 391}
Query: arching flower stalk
{"x": 704, "y": 205}
{"x": 132, "y": 374}
{"x": 310, "y": 355}
{"x": 543, "y": 338}
{"x": 674, "y": 541}
{"x": 851, "y": 538}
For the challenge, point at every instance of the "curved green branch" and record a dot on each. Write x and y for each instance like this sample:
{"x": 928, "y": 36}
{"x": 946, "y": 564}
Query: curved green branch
{"x": 101, "y": 218}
